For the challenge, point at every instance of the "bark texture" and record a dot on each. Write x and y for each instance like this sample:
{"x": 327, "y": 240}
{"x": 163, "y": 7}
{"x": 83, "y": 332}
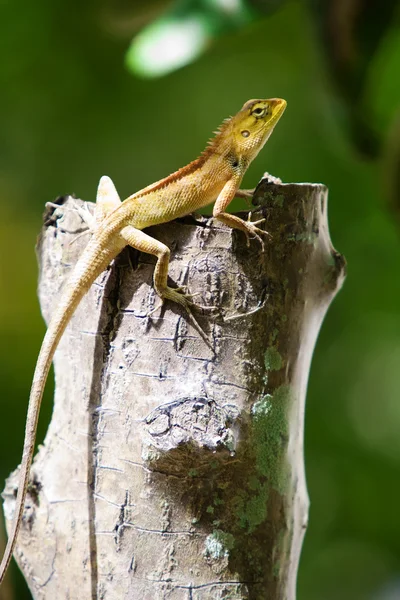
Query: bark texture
{"x": 171, "y": 470}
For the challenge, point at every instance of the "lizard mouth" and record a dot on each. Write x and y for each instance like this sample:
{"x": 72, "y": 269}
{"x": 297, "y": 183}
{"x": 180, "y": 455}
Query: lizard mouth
{"x": 278, "y": 106}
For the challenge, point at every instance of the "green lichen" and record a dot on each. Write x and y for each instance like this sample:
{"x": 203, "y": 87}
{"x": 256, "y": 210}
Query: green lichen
{"x": 262, "y": 406}
{"x": 269, "y": 440}
{"x": 274, "y": 334}
{"x": 330, "y": 260}
{"x": 278, "y": 200}
{"x": 230, "y": 443}
{"x": 272, "y": 359}
{"x": 308, "y": 236}
{"x": 276, "y": 569}
{"x": 192, "y": 472}
{"x": 254, "y": 509}
{"x": 216, "y": 523}
{"x": 218, "y": 544}
{"x": 254, "y": 483}
{"x": 270, "y": 433}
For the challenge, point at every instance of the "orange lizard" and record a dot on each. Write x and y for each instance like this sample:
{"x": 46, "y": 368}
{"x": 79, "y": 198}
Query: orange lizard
{"x": 214, "y": 177}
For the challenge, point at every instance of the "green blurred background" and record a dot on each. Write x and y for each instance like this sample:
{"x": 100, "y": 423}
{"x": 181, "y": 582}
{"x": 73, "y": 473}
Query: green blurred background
{"x": 73, "y": 108}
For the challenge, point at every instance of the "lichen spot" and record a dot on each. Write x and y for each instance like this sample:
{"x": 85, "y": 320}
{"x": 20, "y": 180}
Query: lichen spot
{"x": 218, "y": 545}
{"x": 272, "y": 359}
{"x": 262, "y": 407}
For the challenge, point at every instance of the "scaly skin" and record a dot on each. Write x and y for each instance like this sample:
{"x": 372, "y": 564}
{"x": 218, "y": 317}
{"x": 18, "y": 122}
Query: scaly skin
{"x": 214, "y": 177}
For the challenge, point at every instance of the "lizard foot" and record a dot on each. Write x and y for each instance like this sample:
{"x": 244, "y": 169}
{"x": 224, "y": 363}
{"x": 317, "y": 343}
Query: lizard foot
{"x": 252, "y": 231}
{"x": 177, "y": 295}
{"x": 184, "y": 300}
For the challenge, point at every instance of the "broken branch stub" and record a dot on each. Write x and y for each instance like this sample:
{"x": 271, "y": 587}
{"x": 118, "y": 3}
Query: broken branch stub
{"x": 170, "y": 470}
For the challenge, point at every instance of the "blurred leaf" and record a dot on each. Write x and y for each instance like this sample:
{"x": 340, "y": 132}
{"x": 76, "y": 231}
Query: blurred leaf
{"x": 183, "y": 33}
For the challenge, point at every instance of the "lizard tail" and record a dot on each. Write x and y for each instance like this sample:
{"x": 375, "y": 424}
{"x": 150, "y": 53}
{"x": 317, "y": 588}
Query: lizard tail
{"x": 95, "y": 258}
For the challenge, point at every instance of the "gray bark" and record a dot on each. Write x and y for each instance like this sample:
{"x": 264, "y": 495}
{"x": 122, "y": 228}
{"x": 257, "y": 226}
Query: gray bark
{"x": 170, "y": 470}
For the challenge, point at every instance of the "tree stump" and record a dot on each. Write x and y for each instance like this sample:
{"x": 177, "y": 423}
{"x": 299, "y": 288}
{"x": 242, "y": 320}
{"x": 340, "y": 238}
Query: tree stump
{"x": 173, "y": 469}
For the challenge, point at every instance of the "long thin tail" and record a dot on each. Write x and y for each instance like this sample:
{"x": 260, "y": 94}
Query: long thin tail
{"x": 95, "y": 258}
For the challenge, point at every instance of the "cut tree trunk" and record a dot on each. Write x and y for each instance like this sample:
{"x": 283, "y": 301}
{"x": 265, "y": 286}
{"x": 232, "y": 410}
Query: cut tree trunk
{"x": 173, "y": 469}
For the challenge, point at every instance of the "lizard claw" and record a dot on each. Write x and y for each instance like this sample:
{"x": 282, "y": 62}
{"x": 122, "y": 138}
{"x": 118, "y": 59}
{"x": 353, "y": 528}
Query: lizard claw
{"x": 184, "y": 301}
{"x": 252, "y": 231}
{"x": 176, "y": 295}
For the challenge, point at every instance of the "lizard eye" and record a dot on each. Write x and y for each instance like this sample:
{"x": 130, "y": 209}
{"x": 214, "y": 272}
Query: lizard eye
{"x": 259, "y": 111}
{"x": 245, "y": 133}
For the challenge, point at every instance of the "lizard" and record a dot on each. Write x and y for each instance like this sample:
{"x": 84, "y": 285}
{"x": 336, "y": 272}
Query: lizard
{"x": 213, "y": 177}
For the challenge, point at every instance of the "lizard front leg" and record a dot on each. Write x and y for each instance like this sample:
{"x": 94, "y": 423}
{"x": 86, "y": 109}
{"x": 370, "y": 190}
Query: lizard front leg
{"x": 248, "y": 227}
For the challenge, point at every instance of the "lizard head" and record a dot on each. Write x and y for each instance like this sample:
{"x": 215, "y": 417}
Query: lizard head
{"x": 254, "y": 123}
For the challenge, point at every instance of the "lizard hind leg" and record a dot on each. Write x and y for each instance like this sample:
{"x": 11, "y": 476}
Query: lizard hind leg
{"x": 145, "y": 243}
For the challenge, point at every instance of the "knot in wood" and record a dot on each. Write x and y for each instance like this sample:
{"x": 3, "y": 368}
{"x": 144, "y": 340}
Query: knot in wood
{"x": 184, "y": 432}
